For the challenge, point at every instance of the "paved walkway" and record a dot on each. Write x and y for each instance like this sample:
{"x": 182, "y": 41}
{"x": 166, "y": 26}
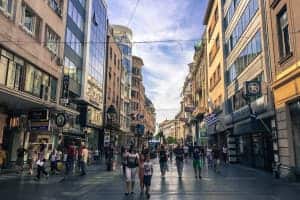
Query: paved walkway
{"x": 234, "y": 182}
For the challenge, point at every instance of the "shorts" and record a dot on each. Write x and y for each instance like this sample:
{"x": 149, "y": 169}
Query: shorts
{"x": 147, "y": 180}
{"x": 131, "y": 174}
{"x": 197, "y": 163}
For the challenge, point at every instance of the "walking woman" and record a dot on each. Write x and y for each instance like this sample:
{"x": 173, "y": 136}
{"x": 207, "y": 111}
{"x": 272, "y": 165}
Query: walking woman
{"x": 131, "y": 170}
{"x": 163, "y": 161}
{"x": 179, "y": 153}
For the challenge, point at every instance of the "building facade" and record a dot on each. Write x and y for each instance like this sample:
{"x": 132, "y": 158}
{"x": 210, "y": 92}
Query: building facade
{"x": 246, "y": 60}
{"x": 283, "y": 21}
{"x": 30, "y": 73}
{"x": 85, "y": 59}
{"x": 199, "y": 92}
{"x": 215, "y": 74}
{"x": 123, "y": 37}
{"x": 113, "y": 80}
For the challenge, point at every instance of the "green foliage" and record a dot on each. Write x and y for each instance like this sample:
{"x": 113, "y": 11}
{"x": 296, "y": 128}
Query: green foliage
{"x": 171, "y": 140}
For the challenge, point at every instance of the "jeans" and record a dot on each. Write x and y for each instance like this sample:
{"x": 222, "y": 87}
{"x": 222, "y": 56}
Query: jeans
{"x": 83, "y": 167}
{"x": 41, "y": 169}
{"x": 179, "y": 165}
{"x": 69, "y": 165}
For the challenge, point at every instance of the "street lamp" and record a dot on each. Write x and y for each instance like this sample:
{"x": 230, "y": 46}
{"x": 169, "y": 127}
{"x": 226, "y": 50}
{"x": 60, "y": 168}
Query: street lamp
{"x": 111, "y": 117}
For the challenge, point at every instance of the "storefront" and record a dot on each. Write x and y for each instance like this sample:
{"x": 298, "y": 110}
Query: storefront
{"x": 294, "y": 108}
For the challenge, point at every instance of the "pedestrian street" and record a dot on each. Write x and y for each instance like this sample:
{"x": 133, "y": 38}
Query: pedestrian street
{"x": 234, "y": 182}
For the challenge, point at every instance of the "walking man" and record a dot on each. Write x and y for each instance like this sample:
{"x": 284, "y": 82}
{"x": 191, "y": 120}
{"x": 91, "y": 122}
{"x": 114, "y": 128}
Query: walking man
{"x": 179, "y": 154}
{"x": 163, "y": 161}
{"x": 216, "y": 158}
{"x": 197, "y": 160}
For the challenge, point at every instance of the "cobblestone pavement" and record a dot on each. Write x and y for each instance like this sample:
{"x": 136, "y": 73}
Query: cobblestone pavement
{"x": 234, "y": 182}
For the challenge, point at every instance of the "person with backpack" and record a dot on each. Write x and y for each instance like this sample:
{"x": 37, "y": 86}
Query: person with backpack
{"x": 197, "y": 160}
{"x": 132, "y": 160}
{"x": 179, "y": 154}
{"x": 163, "y": 161}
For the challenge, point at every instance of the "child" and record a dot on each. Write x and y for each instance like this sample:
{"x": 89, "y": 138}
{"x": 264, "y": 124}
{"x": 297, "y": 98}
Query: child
{"x": 148, "y": 171}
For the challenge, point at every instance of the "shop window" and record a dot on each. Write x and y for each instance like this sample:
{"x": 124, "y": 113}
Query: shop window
{"x": 52, "y": 40}
{"x": 30, "y": 21}
{"x": 6, "y": 6}
{"x": 14, "y": 74}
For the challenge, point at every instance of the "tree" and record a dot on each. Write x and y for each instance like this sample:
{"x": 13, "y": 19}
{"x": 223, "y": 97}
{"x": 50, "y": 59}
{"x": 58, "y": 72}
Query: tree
{"x": 171, "y": 140}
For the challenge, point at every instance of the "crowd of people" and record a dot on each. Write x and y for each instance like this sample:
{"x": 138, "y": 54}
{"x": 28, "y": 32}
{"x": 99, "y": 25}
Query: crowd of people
{"x": 138, "y": 163}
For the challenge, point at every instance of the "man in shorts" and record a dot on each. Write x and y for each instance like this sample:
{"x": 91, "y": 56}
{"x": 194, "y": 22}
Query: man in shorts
{"x": 197, "y": 160}
{"x": 132, "y": 162}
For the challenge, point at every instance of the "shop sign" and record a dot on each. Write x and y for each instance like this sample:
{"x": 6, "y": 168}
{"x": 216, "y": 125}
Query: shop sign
{"x": 39, "y": 115}
{"x": 252, "y": 89}
{"x": 40, "y": 126}
{"x": 60, "y": 120}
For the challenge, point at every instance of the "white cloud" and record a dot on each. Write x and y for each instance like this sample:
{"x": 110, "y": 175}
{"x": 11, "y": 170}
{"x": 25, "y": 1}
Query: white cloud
{"x": 166, "y": 63}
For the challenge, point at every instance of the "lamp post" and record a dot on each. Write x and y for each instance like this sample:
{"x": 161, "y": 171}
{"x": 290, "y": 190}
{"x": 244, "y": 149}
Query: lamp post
{"x": 111, "y": 117}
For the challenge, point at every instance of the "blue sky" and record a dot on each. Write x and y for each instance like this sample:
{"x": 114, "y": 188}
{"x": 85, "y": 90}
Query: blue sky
{"x": 165, "y": 63}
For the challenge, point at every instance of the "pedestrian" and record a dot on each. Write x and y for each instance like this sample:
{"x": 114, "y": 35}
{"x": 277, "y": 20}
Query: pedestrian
{"x": 131, "y": 170}
{"x": 197, "y": 160}
{"x": 32, "y": 158}
{"x": 209, "y": 156}
{"x": 179, "y": 154}
{"x": 53, "y": 162}
{"x": 171, "y": 153}
{"x": 109, "y": 158}
{"x": 83, "y": 160}
{"x": 163, "y": 161}
{"x": 186, "y": 152}
{"x": 141, "y": 172}
{"x": 41, "y": 168}
{"x": 225, "y": 154}
{"x": 20, "y": 159}
{"x": 216, "y": 158}
{"x": 124, "y": 153}
{"x": 2, "y": 157}
{"x": 148, "y": 172}
{"x": 71, "y": 158}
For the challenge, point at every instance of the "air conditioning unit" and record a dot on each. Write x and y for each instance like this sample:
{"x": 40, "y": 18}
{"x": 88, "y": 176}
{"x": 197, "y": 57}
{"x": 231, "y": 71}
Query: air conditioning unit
{"x": 60, "y": 61}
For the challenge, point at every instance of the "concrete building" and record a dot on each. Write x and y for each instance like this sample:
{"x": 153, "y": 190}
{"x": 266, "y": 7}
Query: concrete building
{"x": 199, "y": 92}
{"x": 31, "y": 55}
{"x": 113, "y": 79}
{"x": 85, "y": 59}
{"x": 215, "y": 63}
{"x": 168, "y": 128}
{"x": 284, "y": 45}
{"x": 246, "y": 56}
{"x": 150, "y": 118}
{"x": 123, "y": 37}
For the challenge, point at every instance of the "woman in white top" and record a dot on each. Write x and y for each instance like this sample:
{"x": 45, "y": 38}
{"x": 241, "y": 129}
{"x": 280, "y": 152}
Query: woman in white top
{"x": 132, "y": 162}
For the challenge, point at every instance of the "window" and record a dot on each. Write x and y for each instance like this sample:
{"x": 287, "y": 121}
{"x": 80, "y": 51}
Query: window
{"x": 247, "y": 16}
{"x": 52, "y": 40}
{"x": 283, "y": 33}
{"x": 73, "y": 42}
{"x": 56, "y": 5}
{"x": 75, "y": 16}
{"x": 217, "y": 42}
{"x": 53, "y": 88}
{"x": 14, "y": 73}
{"x": 248, "y": 54}
{"x": 3, "y": 69}
{"x": 110, "y": 53}
{"x": 6, "y": 6}
{"x": 30, "y": 21}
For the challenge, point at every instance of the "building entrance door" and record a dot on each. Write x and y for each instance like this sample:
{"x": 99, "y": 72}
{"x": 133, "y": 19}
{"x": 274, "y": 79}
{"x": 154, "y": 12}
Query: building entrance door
{"x": 295, "y": 120}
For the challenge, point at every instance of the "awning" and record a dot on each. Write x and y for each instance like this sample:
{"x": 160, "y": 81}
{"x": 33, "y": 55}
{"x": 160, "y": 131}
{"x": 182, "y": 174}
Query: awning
{"x": 249, "y": 127}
